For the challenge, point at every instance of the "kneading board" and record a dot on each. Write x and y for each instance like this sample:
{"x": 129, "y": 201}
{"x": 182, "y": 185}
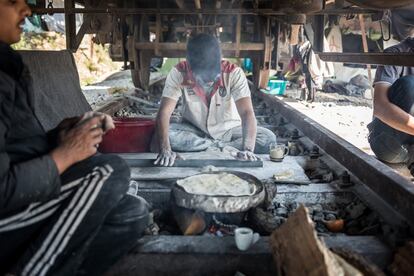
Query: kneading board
{"x": 289, "y": 164}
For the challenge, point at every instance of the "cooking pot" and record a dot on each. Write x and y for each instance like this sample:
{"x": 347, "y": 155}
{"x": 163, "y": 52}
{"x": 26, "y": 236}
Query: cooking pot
{"x": 220, "y": 203}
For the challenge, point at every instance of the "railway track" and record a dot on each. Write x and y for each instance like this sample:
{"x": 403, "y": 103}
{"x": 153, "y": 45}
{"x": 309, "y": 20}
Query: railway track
{"x": 342, "y": 180}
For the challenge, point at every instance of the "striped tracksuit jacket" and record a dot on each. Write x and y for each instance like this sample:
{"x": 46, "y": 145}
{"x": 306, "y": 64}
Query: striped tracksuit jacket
{"x": 51, "y": 224}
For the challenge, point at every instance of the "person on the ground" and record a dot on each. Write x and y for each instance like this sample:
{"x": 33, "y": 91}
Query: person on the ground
{"x": 63, "y": 209}
{"x": 217, "y": 108}
{"x": 391, "y": 133}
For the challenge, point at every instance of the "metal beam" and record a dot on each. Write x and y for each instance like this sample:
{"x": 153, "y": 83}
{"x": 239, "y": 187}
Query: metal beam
{"x": 382, "y": 4}
{"x": 318, "y": 39}
{"x": 225, "y": 53}
{"x": 177, "y": 50}
{"x": 401, "y": 59}
{"x": 81, "y": 33}
{"x": 186, "y": 11}
{"x": 157, "y": 34}
{"x": 183, "y": 46}
{"x": 276, "y": 43}
{"x": 395, "y": 190}
{"x": 70, "y": 26}
{"x": 238, "y": 34}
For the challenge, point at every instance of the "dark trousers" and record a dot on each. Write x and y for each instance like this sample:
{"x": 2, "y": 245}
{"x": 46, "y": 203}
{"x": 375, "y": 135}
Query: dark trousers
{"x": 93, "y": 222}
{"x": 389, "y": 144}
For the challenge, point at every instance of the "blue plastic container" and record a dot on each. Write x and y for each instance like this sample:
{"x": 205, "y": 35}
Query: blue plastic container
{"x": 248, "y": 65}
{"x": 276, "y": 87}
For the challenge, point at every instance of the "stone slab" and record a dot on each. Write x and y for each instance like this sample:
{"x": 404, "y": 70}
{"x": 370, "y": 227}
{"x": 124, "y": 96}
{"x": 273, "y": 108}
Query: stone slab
{"x": 289, "y": 166}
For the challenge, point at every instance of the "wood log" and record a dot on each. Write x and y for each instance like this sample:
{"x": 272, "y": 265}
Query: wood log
{"x": 358, "y": 261}
{"x": 349, "y": 270}
{"x": 403, "y": 263}
{"x": 298, "y": 251}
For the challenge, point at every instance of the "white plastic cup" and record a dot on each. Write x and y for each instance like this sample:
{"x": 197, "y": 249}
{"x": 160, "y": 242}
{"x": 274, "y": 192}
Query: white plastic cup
{"x": 245, "y": 238}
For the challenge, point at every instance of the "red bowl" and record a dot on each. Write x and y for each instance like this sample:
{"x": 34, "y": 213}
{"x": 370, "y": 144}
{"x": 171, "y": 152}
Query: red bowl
{"x": 129, "y": 135}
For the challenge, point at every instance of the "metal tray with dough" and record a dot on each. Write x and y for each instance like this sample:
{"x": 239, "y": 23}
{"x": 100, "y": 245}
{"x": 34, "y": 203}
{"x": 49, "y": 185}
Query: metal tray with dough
{"x": 221, "y": 203}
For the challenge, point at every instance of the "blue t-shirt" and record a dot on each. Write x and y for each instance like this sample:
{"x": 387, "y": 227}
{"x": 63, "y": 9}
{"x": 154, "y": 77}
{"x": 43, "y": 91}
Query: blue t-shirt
{"x": 390, "y": 73}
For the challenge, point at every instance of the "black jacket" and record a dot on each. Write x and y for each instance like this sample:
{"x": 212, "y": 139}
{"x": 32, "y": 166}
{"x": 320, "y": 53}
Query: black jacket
{"x": 27, "y": 172}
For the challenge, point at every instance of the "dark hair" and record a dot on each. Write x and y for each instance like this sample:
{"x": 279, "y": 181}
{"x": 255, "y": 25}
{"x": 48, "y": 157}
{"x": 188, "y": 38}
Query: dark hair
{"x": 204, "y": 56}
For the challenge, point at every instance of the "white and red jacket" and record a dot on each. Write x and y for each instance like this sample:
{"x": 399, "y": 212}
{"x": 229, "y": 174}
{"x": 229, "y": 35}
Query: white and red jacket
{"x": 215, "y": 113}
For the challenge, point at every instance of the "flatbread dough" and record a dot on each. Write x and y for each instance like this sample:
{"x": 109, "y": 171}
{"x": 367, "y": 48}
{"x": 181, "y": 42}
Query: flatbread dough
{"x": 284, "y": 175}
{"x": 224, "y": 184}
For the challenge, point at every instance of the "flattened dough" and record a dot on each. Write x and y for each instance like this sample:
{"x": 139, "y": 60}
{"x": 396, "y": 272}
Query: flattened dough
{"x": 224, "y": 184}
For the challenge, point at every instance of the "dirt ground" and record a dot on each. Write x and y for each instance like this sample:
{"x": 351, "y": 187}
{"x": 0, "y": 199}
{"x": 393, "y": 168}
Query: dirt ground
{"x": 346, "y": 116}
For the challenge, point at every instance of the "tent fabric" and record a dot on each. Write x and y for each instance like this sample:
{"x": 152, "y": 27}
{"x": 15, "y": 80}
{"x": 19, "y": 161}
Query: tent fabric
{"x": 56, "y": 86}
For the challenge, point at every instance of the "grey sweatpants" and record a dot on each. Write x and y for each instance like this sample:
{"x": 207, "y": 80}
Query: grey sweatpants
{"x": 187, "y": 138}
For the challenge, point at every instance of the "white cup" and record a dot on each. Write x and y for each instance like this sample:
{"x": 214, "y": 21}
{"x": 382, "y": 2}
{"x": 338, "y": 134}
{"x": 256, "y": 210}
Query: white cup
{"x": 278, "y": 152}
{"x": 245, "y": 237}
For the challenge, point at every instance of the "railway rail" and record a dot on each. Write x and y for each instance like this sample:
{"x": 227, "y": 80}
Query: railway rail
{"x": 354, "y": 178}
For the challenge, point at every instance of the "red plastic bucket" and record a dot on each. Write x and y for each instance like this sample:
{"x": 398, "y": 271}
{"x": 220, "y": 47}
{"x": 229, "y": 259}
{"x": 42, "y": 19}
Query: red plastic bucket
{"x": 129, "y": 135}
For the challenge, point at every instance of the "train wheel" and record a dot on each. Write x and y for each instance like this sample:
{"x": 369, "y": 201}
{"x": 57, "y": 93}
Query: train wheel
{"x": 140, "y": 66}
{"x": 141, "y": 69}
{"x": 136, "y": 78}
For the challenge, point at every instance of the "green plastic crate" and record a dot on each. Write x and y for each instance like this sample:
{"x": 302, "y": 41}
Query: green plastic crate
{"x": 276, "y": 87}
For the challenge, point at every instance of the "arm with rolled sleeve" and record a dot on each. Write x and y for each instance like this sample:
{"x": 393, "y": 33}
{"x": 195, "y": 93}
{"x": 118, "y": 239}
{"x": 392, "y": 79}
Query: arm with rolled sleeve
{"x": 239, "y": 87}
{"x": 26, "y": 182}
{"x": 384, "y": 110}
{"x": 388, "y": 74}
{"x": 172, "y": 88}
{"x": 240, "y": 92}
